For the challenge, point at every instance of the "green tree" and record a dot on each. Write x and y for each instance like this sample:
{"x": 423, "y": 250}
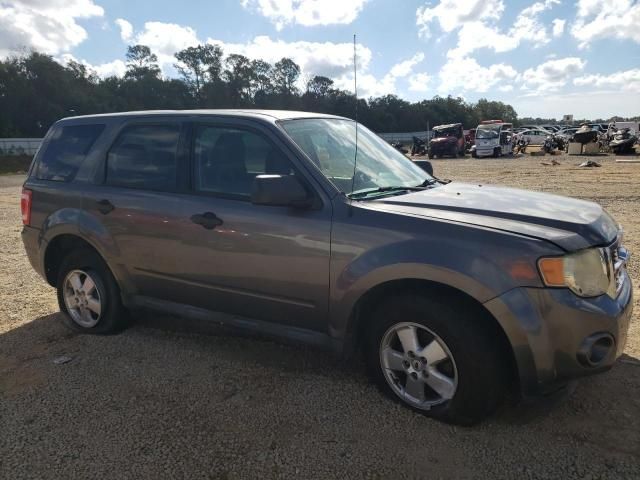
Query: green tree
{"x": 239, "y": 75}
{"x": 199, "y": 65}
{"x": 319, "y": 85}
{"x": 285, "y": 75}
{"x": 141, "y": 63}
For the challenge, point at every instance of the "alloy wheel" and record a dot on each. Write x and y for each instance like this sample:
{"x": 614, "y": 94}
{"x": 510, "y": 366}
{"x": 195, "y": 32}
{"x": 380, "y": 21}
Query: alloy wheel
{"x": 82, "y": 298}
{"x": 418, "y": 365}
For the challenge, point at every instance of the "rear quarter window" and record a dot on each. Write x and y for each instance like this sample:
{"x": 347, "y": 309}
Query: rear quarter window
{"x": 65, "y": 151}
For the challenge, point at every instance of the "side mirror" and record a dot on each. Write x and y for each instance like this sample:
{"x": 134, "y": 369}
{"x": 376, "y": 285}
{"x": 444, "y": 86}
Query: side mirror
{"x": 425, "y": 165}
{"x": 279, "y": 191}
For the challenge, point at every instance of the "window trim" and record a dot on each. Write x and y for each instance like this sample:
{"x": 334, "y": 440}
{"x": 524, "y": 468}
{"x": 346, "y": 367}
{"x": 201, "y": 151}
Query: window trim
{"x": 179, "y": 154}
{"x": 195, "y": 125}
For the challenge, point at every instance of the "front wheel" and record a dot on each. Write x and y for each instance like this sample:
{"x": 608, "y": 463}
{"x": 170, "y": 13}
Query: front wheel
{"x": 436, "y": 360}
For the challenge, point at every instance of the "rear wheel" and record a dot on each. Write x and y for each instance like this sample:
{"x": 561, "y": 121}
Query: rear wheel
{"x": 436, "y": 360}
{"x": 89, "y": 295}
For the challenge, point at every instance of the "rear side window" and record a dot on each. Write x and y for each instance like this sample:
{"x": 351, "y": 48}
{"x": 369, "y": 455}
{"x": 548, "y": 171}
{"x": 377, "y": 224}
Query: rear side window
{"x": 66, "y": 149}
{"x": 145, "y": 156}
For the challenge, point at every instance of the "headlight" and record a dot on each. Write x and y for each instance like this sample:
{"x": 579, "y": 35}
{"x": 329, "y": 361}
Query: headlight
{"x": 587, "y": 272}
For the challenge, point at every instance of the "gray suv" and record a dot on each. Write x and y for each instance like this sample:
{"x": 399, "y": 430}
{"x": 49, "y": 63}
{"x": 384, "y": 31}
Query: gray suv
{"x": 311, "y": 228}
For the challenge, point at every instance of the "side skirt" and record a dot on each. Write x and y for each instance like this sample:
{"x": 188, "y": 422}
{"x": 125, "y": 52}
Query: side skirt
{"x": 287, "y": 333}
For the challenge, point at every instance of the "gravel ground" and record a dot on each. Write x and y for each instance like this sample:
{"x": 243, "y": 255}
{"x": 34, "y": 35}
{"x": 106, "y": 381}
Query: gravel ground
{"x": 159, "y": 401}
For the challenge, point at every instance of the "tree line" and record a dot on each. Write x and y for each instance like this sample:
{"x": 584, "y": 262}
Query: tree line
{"x": 36, "y": 90}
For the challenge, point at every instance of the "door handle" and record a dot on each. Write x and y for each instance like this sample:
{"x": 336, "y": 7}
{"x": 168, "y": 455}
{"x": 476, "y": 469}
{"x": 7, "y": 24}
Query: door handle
{"x": 207, "y": 220}
{"x": 105, "y": 206}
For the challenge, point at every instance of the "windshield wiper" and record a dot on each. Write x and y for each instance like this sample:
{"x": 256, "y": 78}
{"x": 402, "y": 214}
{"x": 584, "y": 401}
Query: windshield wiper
{"x": 428, "y": 182}
{"x": 386, "y": 189}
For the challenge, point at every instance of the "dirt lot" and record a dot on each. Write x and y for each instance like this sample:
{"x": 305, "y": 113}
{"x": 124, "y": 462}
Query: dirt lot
{"x": 160, "y": 402}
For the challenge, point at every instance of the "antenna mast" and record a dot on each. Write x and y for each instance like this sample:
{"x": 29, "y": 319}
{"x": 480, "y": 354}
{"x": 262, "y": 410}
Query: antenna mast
{"x": 355, "y": 90}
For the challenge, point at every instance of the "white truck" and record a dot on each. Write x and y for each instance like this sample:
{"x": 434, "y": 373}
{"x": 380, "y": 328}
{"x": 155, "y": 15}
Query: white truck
{"x": 493, "y": 139}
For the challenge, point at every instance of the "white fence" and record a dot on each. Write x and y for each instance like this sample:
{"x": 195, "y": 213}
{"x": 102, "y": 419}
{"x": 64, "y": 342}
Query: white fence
{"x": 404, "y": 137}
{"x": 19, "y": 146}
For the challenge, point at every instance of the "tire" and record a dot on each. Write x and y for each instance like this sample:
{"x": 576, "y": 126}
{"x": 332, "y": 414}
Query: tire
{"x": 474, "y": 365}
{"x": 496, "y": 153}
{"x": 474, "y": 154}
{"x": 81, "y": 311}
{"x": 430, "y": 155}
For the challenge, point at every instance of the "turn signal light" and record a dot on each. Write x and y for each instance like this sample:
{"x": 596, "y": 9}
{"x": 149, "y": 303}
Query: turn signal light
{"x": 552, "y": 271}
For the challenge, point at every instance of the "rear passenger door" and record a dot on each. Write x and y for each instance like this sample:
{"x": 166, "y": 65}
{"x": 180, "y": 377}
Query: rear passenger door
{"x": 139, "y": 205}
{"x": 264, "y": 262}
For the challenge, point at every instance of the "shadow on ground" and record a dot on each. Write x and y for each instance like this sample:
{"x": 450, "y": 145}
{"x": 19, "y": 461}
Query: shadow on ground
{"x": 159, "y": 400}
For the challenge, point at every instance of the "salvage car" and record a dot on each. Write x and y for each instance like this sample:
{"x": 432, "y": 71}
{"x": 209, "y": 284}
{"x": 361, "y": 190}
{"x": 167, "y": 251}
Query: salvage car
{"x": 448, "y": 140}
{"x": 493, "y": 139}
{"x": 311, "y": 228}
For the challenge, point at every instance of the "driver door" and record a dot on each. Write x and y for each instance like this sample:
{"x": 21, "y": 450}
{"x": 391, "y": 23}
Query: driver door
{"x": 263, "y": 262}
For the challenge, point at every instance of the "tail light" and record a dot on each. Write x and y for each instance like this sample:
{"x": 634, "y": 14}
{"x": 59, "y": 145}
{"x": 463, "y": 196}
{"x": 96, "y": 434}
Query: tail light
{"x": 25, "y": 206}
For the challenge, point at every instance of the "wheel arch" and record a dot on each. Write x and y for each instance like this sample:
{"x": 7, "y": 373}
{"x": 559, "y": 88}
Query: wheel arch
{"x": 56, "y": 250}
{"x": 357, "y": 327}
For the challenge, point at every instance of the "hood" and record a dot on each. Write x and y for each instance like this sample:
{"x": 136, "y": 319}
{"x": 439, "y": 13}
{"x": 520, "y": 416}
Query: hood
{"x": 569, "y": 223}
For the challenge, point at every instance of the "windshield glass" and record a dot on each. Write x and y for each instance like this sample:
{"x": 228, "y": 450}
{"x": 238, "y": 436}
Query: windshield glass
{"x": 331, "y": 145}
{"x": 445, "y": 132}
{"x": 487, "y": 131}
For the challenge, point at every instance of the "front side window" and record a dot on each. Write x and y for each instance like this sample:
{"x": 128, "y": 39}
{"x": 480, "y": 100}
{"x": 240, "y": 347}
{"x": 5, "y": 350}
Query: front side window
{"x": 65, "y": 151}
{"x": 226, "y": 160}
{"x": 331, "y": 145}
{"x": 145, "y": 156}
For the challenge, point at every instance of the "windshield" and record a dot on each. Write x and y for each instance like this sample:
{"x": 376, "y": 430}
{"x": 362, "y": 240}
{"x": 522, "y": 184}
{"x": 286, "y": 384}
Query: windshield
{"x": 331, "y": 145}
{"x": 487, "y": 131}
{"x": 446, "y": 132}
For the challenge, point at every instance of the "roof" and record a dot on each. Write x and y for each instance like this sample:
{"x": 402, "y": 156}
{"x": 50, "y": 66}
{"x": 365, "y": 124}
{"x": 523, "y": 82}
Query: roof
{"x": 248, "y": 113}
{"x": 451, "y": 125}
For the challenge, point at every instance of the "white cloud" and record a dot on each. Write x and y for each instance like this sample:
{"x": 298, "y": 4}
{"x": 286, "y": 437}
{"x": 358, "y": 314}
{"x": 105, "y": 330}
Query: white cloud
{"x": 628, "y": 80}
{"x": 601, "y": 104}
{"x": 306, "y": 12}
{"x": 315, "y": 58}
{"x": 466, "y": 74}
{"x": 482, "y": 33}
{"x": 419, "y": 82}
{"x": 451, "y": 14}
{"x": 597, "y": 19}
{"x": 334, "y": 60}
{"x": 164, "y": 39}
{"x": 368, "y": 85}
{"x": 551, "y": 75}
{"x": 48, "y": 26}
{"x": 126, "y": 29}
{"x": 115, "y": 68}
{"x": 558, "y": 27}
{"x": 404, "y": 68}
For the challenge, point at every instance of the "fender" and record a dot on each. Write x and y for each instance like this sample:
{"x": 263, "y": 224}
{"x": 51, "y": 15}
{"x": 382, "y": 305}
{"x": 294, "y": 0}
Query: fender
{"x": 479, "y": 276}
{"x": 82, "y": 224}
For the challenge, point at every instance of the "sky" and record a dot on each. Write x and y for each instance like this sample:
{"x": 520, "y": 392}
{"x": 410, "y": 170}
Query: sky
{"x": 547, "y": 58}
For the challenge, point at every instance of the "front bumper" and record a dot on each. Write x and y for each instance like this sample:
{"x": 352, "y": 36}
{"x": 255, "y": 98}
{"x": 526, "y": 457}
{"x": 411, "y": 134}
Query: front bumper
{"x": 486, "y": 151}
{"x": 443, "y": 148}
{"x": 547, "y": 328}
